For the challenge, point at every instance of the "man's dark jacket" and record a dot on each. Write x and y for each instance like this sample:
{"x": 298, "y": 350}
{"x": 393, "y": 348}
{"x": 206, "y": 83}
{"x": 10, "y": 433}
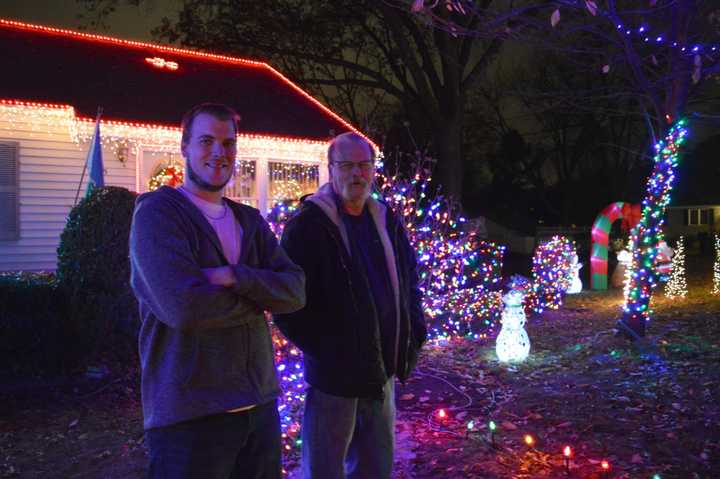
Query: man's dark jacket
{"x": 338, "y": 329}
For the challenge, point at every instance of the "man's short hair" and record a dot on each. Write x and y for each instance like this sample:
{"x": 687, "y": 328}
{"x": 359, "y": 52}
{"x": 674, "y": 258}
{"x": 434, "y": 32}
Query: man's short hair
{"x": 349, "y": 137}
{"x": 216, "y": 110}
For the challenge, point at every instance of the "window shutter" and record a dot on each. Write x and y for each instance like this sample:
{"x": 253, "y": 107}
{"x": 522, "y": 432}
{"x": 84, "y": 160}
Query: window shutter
{"x": 9, "y": 191}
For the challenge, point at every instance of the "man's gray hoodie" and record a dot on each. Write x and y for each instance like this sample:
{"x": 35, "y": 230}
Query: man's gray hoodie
{"x": 205, "y": 349}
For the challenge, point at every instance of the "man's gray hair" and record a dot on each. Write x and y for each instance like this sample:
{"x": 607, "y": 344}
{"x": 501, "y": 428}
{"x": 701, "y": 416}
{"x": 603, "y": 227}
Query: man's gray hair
{"x": 345, "y": 138}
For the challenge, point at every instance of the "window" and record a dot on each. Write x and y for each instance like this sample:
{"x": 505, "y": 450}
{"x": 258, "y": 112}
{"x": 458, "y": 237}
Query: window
{"x": 242, "y": 186}
{"x": 9, "y": 191}
{"x": 290, "y": 181}
{"x": 698, "y": 217}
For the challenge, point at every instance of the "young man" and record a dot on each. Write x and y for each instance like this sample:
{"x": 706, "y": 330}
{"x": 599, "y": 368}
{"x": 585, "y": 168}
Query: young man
{"x": 363, "y": 322}
{"x": 203, "y": 270}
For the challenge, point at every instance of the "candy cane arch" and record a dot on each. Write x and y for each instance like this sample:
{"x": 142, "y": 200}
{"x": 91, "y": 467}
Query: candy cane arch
{"x": 630, "y": 214}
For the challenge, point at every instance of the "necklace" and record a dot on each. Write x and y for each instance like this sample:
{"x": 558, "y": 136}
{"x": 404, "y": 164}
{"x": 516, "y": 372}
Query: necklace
{"x": 202, "y": 210}
{"x": 222, "y": 215}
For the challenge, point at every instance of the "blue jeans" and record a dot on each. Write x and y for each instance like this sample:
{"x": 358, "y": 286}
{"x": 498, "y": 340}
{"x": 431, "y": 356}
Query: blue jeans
{"x": 229, "y": 445}
{"x": 348, "y": 437}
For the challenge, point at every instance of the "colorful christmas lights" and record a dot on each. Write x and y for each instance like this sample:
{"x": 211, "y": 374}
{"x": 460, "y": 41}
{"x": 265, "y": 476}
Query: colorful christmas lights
{"x": 648, "y": 234}
{"x": 552, "y": 273}
{"x": 457, "y": 272}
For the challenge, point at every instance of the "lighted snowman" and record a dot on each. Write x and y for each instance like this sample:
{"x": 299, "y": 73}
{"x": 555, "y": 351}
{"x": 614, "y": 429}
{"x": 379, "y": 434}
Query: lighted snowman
{"x": 513, "y": 344}
{"x": 575, "y": 282}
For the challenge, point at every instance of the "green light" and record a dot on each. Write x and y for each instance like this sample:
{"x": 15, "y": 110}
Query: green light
{"x": 492, "y": 425}
{"x": 471, "y": 425}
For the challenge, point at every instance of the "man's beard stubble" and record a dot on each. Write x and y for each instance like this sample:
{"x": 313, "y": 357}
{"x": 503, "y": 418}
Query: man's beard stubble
{"x": 202, "y": 184}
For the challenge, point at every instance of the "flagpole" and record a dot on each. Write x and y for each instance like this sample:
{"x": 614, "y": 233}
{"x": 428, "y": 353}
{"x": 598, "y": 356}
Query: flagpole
{"x": 82, "y": 176}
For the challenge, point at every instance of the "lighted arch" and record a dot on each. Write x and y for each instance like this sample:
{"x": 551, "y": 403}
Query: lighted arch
{"x": 630, "y": 214}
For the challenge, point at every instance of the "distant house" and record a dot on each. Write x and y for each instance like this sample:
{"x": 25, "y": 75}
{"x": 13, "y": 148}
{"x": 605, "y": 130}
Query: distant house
{"x": 52, "y": 85}
{"x": 695, "y": 214}
{"x": 697, "y": 222}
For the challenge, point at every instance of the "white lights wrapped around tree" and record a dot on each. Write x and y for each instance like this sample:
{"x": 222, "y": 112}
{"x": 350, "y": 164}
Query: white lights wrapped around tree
{"x": 625, "y": 258}
{"x": 716, "y": 267}
{"x": 676, "y": 287}
{"x": 513, "y": 344}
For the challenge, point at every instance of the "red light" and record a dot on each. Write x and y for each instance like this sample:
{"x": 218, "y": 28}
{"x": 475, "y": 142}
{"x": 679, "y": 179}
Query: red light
{"x": 567, "y": 451}
{"x": 184, "y": 52}
{"x": 605, "y": 465}
{"x": 442, "y": 414}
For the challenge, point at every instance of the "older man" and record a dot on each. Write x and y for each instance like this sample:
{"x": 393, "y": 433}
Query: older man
{"x": 362, "y": 324}
{"x": 203, "y": 269}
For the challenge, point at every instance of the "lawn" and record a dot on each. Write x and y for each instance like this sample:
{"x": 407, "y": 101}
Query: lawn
{"x": 645, "y": 410}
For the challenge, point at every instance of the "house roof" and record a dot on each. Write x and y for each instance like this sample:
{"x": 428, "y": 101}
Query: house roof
{"x": 154, "y": 84}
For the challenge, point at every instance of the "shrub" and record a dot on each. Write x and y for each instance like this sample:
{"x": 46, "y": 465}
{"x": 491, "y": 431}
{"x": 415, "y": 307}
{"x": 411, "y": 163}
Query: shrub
{"x": 94, "y": 269}
{"x": 35, "y": 332}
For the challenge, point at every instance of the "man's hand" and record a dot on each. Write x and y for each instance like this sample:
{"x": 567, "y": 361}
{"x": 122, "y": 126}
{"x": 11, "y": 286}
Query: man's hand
{"x": 220, "y": 276}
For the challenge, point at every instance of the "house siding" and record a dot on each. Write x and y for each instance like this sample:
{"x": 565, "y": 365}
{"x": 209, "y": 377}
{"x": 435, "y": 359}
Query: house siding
{"x": 50, "y": 166}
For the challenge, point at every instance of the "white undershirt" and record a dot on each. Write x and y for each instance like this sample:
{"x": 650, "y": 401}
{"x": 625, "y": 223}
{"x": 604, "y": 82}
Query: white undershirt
{"x": 230, "y": 232}
{"x": 223, "y": 221}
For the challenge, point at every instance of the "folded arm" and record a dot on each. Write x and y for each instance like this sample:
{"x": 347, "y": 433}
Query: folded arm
{"x": 276, "y": 284}
{"x": 167, "y": 277}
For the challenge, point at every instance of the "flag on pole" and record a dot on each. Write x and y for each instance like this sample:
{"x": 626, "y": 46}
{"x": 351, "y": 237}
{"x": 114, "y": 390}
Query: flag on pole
{"x": 95, "y": 162}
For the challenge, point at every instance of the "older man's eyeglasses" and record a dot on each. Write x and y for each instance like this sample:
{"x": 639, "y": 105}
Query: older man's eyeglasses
{"x": 347, "y": 166}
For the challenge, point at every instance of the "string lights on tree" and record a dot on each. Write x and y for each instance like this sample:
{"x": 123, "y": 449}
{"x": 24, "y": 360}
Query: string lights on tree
{"x": 716, "y": 266}
{"x": 457, "y": 272}
{"x": 552, "y": 273}
{"x": 676, "y": 287}
{"x": 648, "y": 234}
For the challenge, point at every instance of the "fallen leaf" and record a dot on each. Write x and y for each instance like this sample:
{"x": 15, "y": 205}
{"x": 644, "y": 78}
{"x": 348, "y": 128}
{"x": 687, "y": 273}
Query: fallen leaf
{"x": 555, "y": 17}
{"x": 592, "y": 7}
{"x": 417, "y": 6}
{"x": 74, "y": 423}
{"x": 407, "y": 397}
{"x": 509, "y": 426}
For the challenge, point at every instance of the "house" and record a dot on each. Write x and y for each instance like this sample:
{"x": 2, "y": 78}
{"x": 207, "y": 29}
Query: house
{"x": 694, "y": 211}
{"x": 55, "y": 80}
{"x": 697, "y": 222}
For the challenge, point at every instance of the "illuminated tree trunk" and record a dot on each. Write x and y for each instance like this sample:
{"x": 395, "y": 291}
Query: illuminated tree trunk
{"x": 648, "y": 233}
